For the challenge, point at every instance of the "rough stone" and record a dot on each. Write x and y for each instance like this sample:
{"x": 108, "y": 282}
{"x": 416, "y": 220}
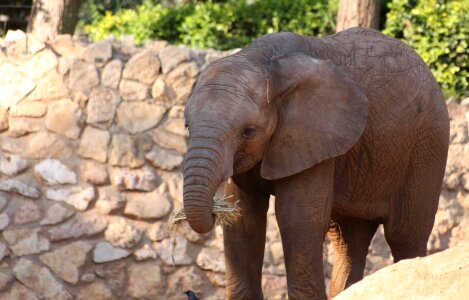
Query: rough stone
{"x": 25, "y": 241}
{"x": 465, "y": 181}
{"x": 114, "y": 274}
{"x": 28, "y": 212}
{"x": 177, "y": 126}
{"x": 216, "y": 279}
{"x": 21, "y": 126}
{"x": 97, "y": 53}
{"x": 213, "y": 55}
{"x": 52, "y": 171}
{"x": 83, "y": 76}
{"x": 12, "y": 145}
{"x": 45, "y": 145}
{"x": 143, "y": 67}
{"x": 161, "y": 91}
{"x": 80, "y": 98}
{"x": 56, "y": 213}
{"x": 276, "y": 251}
{"x": 28, "y": 109}
{"x": 172, "y": 56}
{"x": 66, "y": 46}
{"x": 18, "y": 292}
{"x": 445, "y": 274}
{"x": 169, "y": 140}
{"x": 164, "y": 159}
{"x": 216, "y": 241}
{"x": 174, "y": 182}
{"x": 94, "y": 173}
{"x": 88, "y": 277}
{"x": 465, "y": 101}
{"x": 21, "y": 44}
{"x": 51, "y": 86}
{"x": 97, "y": 291}
{"x": 133, "y": 90}
{"x": 3, "y": 253}
{"x": 137, "y": 117}
{"x": 67, "y": 260}
{"x": 3, "y": 119}
{"x": 144, "y": 253}
{"x": 85, "y": 224}
{"x": 152, "y": 205}
{"x": 176, "y": 112}
{"x": 186, "y": 231}
{"x": 448, "y": 216}
{"x": 65, "y": 64}
{"x": 145, "y": 281}
{"x": 165, "y": 251}
{"x": 111, "y": 74}
{"x": 14, "y": 86}
{"x": 459, "y": 133}
{"x": 105, "y": 252}
{"x": 157, "y": 231}
{"x": 40, "y": 280}
{"x": 125, "y": 151}
{"x": 11, "y": 164}
{"x": 143, "y": 179}
{"x": 76, "y": 196}
{"x": 187, "y": 278}
{"x": 65, "y": 118}
{"x": 182, "y": 80}
{"x": 16, "y": 186}
{"x": 109, "y": 200}
{"x": 156, "y": 45}
{"x": 102, "y": 106}
{"x": 275, "y": 287}
{"x": 39, "y": 64}
{"x": 121, "y": 233}
{"x": 93, "y": 144}
{"x": 6, "y": 278}
{"x": 3, "y": 201}
{"x": 4, "y": 221}
{"x": 212, "y": 260}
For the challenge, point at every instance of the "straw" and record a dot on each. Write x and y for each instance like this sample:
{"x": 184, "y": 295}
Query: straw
{"x": 226, "y": 213}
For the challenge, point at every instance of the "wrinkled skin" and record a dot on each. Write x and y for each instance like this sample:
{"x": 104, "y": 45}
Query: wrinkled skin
{"x": 348, "y": 132}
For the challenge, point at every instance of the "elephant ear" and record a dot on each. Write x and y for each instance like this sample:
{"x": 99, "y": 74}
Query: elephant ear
{"x": 322, "y": 113}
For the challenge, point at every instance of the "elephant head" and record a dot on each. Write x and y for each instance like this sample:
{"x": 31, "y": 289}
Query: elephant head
{"x": 272, "y": 103}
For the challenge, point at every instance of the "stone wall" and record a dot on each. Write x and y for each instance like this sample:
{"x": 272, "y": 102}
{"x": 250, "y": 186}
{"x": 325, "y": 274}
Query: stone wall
{"x": 92, "y": 139}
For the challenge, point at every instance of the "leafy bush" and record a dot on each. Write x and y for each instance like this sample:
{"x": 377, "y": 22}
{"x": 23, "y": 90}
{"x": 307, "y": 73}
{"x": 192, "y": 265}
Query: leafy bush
{"x": 438, "y": 30}
{"x": 221, "y": 25}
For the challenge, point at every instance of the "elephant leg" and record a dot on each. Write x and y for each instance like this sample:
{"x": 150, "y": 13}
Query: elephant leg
{"x": 244, "y": 244}
{"x": 351, "y": 238}
{"x": 303, "y": 206}
{"x": 410, "y": 223}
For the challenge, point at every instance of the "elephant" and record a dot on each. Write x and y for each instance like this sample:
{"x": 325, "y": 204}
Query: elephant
{"x": 347, "y": 131}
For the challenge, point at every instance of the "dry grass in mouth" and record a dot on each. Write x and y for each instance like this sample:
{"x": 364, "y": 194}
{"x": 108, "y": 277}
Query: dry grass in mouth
{"x": 226, "y": 213}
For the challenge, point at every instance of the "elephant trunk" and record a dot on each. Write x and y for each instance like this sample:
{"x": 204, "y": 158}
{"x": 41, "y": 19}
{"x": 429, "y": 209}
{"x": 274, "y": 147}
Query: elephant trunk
{"x": 203, "y": 173}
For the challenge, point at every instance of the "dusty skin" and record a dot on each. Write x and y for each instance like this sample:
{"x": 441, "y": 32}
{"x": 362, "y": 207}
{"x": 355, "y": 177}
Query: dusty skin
{"x": 348, "y": 132}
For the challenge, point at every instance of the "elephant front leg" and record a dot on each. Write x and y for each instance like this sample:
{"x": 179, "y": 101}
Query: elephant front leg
{"x": 244, "y": 244}
{"x": 302, "y": 207}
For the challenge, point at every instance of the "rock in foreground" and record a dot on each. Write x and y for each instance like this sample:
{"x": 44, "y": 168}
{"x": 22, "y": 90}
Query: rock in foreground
{"x": 444, "y": 275}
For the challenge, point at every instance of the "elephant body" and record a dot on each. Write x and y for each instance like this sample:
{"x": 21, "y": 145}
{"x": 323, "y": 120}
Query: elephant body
{"x": 348, "y": 132}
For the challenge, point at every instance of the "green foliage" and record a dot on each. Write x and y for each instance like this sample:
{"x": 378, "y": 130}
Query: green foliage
{"x": 438, "y": 30}
{"x": 216, "y": 24}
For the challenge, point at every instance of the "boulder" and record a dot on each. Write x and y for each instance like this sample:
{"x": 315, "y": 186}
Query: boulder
{"x": 439, "y": 276}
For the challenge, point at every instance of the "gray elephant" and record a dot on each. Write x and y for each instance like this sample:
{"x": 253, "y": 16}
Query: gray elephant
{"x": 348, "y": 132}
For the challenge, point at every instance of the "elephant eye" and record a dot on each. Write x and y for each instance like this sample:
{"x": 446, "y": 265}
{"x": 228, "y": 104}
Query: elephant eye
{"x": 249, "y": 132}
